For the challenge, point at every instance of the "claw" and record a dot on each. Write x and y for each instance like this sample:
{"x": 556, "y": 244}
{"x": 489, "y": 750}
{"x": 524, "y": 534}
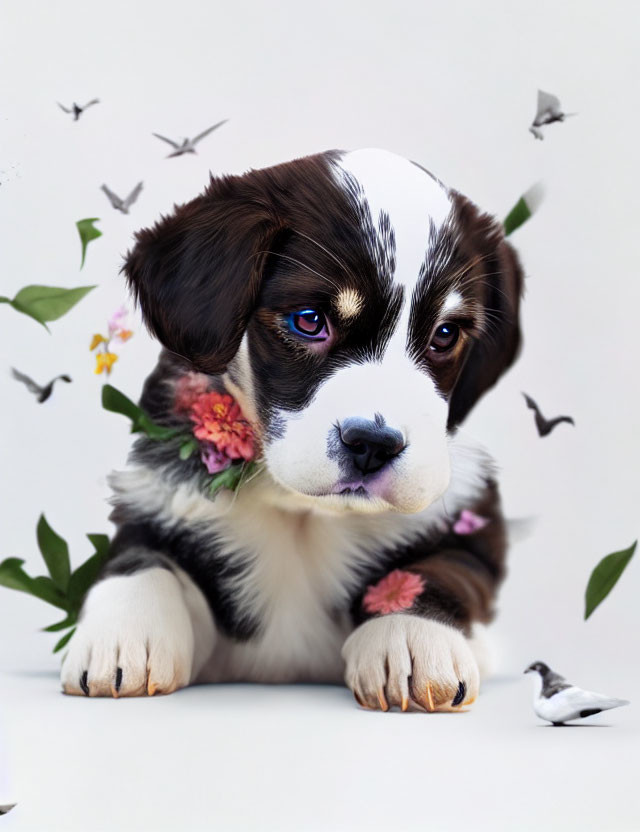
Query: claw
{"x": 151, "y": 688}
{"x": 382, "y": 700}
{"x": 405, "y": 703}
{"x": 429, "y": 695}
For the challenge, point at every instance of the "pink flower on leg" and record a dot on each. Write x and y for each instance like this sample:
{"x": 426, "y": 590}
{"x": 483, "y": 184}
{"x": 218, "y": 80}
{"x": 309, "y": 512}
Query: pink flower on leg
{"x": 469, "y": 522}
{"x": 395, "y": 592}
{"x": 213, "y": 459}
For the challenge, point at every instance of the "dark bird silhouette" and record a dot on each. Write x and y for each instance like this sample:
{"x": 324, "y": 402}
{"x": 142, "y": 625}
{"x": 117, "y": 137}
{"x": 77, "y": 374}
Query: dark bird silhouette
{"x": 549, "y": 110}
{"x": 120, "y": 204}
{"x": 545, "y": 426}
{"x": 188, "y": 145}
{"x": 6, "y": 807}
{"x": 76, "y": 110}
{"x": 41, "y": 393}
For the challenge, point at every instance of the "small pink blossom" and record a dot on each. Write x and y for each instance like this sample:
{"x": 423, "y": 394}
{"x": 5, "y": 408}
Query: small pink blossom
{"x": 118, "y": 325}
{"x": 395, "y": 592}
{"x": 213, "y": 459}
{"x": 188, "y": 389}
{"x": 469, "y": 522}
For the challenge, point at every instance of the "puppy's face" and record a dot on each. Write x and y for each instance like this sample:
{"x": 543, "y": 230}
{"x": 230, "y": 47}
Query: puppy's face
{"x": 357, "y": 308}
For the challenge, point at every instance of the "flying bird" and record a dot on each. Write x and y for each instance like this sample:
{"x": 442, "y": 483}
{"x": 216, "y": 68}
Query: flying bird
{"x": 558, "y": 701}
{"x": 188, "y": 145}
{"x": 41, "y": 393}
{"x": 120, "y": 204}
{"x": 545, "y": 426}
{"x": 76, "y": 110}
{"x": 6, "y": 807}
{"x": 549, "y": 110}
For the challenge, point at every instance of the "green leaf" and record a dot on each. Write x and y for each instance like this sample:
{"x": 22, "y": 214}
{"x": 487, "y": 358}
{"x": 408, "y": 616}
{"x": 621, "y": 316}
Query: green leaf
{"x": 83, "y": 579}
{"x": 69, "y": 621}
{"x": 231, "y": 478}
{"x": 13, "y": 576}
{"x": 55, "y": 553}
{"x": 64, "y": 640}
{"x": 188, "y": 448}
{"x": 605, "y": 576}
{"x": 516, "y": 217}
{"x": 48, "y": 303}
{"x": 100, "y": 543}
{"x": 87, "y": 232}
{"x": 116, "y": 402}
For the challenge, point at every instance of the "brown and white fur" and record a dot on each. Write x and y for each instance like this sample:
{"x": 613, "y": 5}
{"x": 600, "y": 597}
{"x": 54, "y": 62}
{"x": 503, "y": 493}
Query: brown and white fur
{"x": 419, "y": 292}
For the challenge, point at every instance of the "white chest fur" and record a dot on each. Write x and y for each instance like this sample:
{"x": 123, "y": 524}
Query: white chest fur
{"x": 297, "y": 568}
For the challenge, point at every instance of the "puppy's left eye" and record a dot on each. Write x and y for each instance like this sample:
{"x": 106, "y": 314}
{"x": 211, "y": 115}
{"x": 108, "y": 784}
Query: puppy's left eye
{"x": 309, "y": 323}
{"x": 444, "y": 337}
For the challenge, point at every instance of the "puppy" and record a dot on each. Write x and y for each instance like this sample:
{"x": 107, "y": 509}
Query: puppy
{"x": 355, "y": 309}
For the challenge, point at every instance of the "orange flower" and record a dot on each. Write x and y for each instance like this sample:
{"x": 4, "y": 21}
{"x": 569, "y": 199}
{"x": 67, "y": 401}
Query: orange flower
{"x": 218, "y": 419}
{"x": 105, "y": 361}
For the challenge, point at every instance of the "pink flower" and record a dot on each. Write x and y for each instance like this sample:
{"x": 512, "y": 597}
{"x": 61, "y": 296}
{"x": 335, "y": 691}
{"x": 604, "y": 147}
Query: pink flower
{"x": 396, "y": 591}
{"x": 468, "y": 522}
{"x": 219, "y": 420}
{"x": 188, "y": 389}
{"x": 213, "y": 459}
{"x": 118, "y": 325}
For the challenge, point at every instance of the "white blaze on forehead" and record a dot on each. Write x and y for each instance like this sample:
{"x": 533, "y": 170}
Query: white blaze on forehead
{"x": 410, "y": 197}
{"x": 413, "y": 201}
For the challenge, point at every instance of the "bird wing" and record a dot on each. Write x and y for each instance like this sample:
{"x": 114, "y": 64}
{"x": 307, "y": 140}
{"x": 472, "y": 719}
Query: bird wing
{"x": 135, "y": 193}
{"x": 536, "y": 132}
{"x": 548, "y": 103}
{"x": 584, "y": 700}
{"x": 208, "y": 130}
{"x": 165, "y": 139}
{"x": 530, "y": 403}
{"x": 114, "y": 199}
{"x": 29, "y": 383}
{"x": 89, "y": 103}
{"x": 64, "y": 377}
{"x": 551, "y": 423}
{"x": 62, "y": 107}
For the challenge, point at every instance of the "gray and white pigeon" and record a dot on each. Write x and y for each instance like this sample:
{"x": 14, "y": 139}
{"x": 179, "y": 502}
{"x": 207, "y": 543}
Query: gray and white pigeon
{"x": 42, "y": 393}
{"x": 548, "y": 111}
{"x": 120, "y": 204}
{"x": 558, "y": 701}
{"x": 188, "y": 145}
{"x": 76, "y": 110}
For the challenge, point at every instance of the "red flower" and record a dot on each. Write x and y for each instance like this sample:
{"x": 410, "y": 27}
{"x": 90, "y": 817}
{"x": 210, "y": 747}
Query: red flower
{"x": 219, "y": 420}
{"x": 397, "y": 591}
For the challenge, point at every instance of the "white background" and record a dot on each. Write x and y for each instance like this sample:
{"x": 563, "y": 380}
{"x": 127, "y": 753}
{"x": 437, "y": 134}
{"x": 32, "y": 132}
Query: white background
{"x": 452, "y": 86}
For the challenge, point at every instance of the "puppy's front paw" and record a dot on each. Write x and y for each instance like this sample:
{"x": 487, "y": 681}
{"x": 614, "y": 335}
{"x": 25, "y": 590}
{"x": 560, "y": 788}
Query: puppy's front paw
{"x": 406, "y": 660}
{"x": 134, "y": 638}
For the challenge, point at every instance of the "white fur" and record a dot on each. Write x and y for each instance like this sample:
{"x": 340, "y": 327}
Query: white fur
{"x": 404, "y": 660}
{"x": 154, "y": 625}
{"x": 300, "y": 561}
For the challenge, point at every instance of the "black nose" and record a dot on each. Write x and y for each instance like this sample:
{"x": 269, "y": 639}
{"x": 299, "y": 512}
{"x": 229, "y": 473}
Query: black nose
{"x": 370, "y": 444}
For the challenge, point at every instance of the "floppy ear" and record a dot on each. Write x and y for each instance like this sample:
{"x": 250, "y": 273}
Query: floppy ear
{"x": 197, "y": 273}
{"x": 494, "y": 351}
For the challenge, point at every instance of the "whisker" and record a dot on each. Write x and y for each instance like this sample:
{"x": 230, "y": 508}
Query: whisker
{"x": 331, "y": 254}
{"x": 302, "y": 265}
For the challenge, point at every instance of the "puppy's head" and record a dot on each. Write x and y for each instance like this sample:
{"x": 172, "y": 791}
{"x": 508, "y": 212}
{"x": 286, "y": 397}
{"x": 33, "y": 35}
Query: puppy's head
{"x": 357, "y": 309}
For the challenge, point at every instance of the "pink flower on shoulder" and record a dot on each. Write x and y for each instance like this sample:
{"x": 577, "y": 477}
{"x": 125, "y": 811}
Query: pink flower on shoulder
{"x": 469, "y": 522}
{"x": 187, "y": 390}
{"x": 219, "y": 420}
{"x": 395, "y": 592}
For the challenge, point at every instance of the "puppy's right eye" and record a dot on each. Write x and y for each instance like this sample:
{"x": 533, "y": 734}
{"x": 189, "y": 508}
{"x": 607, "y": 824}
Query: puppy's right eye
{"x": 309, "y": 323}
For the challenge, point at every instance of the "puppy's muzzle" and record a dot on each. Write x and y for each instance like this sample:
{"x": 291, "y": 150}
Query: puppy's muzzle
{"x": 370, "y": 445}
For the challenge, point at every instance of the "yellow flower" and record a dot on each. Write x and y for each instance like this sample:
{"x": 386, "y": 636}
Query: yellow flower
{"x": 105, "y": 361}
{"x": 97, "y": 339}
